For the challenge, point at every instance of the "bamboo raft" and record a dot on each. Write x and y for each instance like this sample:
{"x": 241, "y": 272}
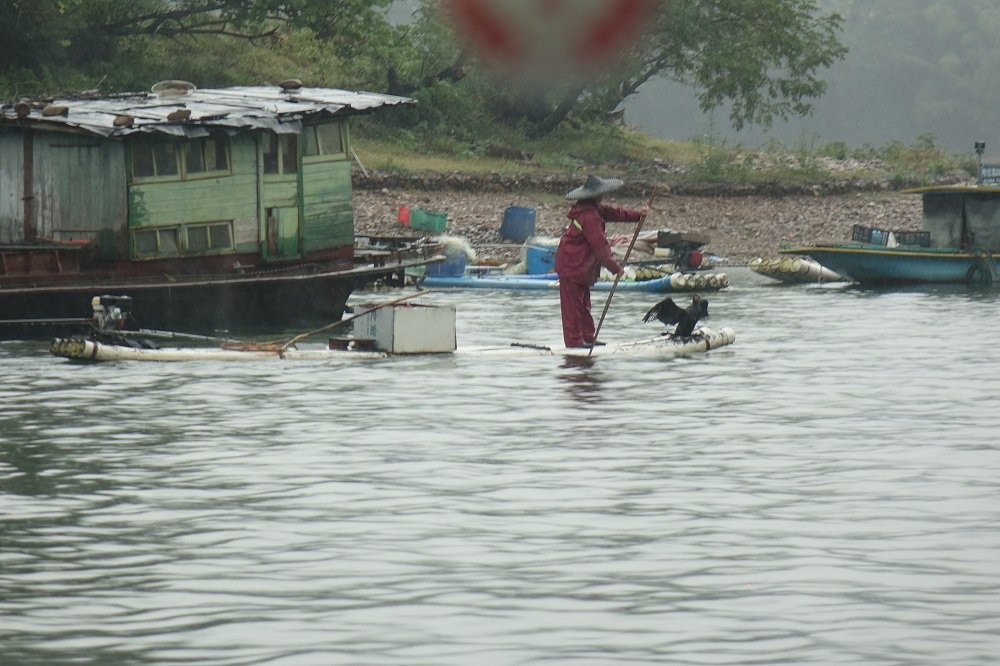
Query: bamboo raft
{"x": 84, "y": 349}
{"x": 793, "y": 270}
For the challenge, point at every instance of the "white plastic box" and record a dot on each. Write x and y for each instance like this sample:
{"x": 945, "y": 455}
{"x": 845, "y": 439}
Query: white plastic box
{"x": 410, "y": 328}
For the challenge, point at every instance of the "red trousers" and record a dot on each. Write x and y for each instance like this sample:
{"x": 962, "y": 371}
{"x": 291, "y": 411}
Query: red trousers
{"x": 577, "y": 322}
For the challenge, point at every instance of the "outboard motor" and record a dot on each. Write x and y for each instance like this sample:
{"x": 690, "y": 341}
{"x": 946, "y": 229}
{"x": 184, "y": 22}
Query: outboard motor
{"x": 110, "y": 313}
{"x": 107, "y": 326}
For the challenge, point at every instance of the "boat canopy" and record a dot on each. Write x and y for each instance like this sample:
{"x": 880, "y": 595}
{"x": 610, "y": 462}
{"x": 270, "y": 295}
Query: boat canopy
{"x": 964, "y": 216}
{"x": 192, "y": 112}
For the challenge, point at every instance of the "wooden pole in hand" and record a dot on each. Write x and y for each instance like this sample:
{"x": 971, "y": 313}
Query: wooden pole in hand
{"x": 614, "y": 285}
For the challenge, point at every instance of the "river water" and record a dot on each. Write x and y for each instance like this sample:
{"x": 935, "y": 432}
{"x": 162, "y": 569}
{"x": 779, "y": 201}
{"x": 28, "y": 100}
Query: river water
{"x": 824, "y": 491}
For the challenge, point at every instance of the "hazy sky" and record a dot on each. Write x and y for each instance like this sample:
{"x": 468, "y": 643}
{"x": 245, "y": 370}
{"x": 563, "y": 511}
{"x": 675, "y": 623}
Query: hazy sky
{"x": 668, "y": 109}
{"x": 895, "y": 89}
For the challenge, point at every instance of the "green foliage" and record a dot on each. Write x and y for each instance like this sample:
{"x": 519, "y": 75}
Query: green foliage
{"x": 923, "y": 157}
{"x": 48, "y": 46}
{"x": 761, "y": 57}
{"x": 838, "y": 150}
{"x": 718, "y": 162}
{"x": 445, "y": 117}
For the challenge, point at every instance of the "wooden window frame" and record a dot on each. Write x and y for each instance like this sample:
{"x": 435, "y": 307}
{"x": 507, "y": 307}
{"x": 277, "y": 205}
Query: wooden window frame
{"x": 221, "y": 143}
{"x": 182, "y": 240}
{"x": 208, "y": 227}
{"x": 150, "y": 145}
{"x": 159, "y": 253}
{"x": 280, "y": 153}
{"x": 179, "y": 150}
{"x": 323, "y": 152}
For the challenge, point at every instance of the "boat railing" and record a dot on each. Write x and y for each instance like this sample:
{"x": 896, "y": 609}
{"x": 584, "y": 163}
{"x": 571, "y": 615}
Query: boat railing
{"x": 890, "y": 237}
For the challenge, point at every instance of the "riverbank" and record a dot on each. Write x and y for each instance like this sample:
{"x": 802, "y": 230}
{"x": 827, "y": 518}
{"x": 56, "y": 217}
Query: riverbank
{"x": 740, "y": 225}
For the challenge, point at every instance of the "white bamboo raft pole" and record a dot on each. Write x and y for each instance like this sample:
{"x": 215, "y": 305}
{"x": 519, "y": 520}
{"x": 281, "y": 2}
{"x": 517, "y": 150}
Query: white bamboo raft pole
{"x": 81, "y": 349}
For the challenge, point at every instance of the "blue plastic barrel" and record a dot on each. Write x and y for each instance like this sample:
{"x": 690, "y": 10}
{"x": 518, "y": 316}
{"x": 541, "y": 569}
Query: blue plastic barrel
{"x": 518, "y": 223}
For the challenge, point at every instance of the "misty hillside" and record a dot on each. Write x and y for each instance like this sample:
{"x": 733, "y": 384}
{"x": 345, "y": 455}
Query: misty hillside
{"x": 915, "y": 67}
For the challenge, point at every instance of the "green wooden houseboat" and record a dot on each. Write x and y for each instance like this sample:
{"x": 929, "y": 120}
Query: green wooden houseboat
{"x": 212, "y": 209}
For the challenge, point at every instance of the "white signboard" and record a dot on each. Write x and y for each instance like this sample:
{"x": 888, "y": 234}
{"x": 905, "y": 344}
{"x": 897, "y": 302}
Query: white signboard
{"x": 989, "y": 173}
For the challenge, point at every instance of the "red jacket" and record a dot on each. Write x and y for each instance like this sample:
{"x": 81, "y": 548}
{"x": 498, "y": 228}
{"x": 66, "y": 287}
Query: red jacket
{"x": 584, "y": 248}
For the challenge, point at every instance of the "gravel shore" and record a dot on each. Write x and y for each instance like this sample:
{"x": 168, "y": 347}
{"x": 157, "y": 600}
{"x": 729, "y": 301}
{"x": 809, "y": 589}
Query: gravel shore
{"x": 739, "y": 227}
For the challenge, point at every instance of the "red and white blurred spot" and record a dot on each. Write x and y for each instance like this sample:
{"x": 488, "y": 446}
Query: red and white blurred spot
{"x": 540, "y": 39}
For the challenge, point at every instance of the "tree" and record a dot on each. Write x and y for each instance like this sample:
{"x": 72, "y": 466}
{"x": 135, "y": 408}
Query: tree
{"x": 29, "y": 30}
{"x": 346, "y": 23}
{"x": 761, "y": 56}
{"x": 37, "y": 36}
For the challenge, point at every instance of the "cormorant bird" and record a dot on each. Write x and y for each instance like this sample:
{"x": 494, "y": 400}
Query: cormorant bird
{"x": 685, "y": 318}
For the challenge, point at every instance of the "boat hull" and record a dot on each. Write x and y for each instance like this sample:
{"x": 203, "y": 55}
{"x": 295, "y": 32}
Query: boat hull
{"x": 247, "y": 304}
{"x": 80, "y": 349}
{"x": 876, "y": 265}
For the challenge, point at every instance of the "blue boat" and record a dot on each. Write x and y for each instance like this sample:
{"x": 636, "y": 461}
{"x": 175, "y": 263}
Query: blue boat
{"x": 667, "y": 283}
{"x": 959, "y": 242}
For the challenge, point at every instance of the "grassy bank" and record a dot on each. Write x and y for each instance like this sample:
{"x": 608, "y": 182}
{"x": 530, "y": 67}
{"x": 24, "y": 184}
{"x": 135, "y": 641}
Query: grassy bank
{"x": 630, "y": 154}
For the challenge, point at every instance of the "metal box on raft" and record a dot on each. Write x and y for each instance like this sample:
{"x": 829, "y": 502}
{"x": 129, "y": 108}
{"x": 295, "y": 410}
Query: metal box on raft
{"x": 410, "y": 328}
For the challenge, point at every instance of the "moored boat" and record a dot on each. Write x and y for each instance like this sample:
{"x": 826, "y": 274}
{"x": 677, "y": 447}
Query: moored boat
{"x": 212, "y": 209}
{"x": 959, "y": 242}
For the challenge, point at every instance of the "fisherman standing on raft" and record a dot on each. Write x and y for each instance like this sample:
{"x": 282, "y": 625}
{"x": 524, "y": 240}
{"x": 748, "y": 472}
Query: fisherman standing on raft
{"x": 582, "y": 250}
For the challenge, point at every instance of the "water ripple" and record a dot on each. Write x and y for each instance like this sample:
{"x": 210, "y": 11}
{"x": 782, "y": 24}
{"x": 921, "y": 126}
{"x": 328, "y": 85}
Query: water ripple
{"x": 822, "y": 492}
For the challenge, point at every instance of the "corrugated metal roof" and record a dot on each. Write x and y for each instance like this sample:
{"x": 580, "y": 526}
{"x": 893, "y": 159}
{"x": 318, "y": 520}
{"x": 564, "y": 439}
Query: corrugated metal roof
{"x": 234, "y": 109}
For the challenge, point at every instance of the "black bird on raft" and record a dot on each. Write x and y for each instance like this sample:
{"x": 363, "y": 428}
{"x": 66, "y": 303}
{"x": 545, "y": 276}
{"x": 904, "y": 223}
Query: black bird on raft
{"x": 684, "y": 318}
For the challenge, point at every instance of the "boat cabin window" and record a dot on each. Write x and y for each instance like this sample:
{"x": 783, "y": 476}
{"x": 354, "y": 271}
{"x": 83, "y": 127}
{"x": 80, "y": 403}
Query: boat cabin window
{"x": 205, "y": 156}
{"x": 154, "y": 159}
{"x": 164, "y": 159}
{"x": 203, "y": 238}
{"x": 324, "y": 139}
{"x": 281, "y": 153}
{"x": 209, "y": 237}
{"x": 152, "y": 242}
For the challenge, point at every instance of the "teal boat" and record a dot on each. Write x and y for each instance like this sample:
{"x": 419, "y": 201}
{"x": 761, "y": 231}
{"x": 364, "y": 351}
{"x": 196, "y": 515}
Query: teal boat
{"x": 959, "y": 242}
